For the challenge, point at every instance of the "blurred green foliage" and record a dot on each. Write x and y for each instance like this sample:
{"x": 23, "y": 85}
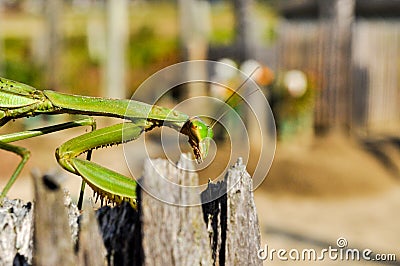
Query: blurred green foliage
{"x": 18, "y": 63}
{"x": 222, "y": 24}
{"x": 293, "y": 113}
{"x": 153, "y": 43}
{"x": 145, "y": 47}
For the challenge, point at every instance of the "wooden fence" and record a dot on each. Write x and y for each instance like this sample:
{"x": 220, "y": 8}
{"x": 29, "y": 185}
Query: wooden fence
{"x": 373, "y": 96}
{"x": 376, "y": 57}
{"x": 224, "y": 231}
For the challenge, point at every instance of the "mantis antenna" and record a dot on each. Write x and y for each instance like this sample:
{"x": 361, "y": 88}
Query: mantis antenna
{"x": 232, "y": 94}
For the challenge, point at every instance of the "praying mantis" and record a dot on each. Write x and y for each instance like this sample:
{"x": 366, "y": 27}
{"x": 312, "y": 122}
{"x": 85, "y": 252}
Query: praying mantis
{"x": 18, "y": 100}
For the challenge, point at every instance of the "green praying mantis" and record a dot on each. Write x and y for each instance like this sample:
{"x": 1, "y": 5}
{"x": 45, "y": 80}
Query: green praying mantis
{"x": 18, "y": 100}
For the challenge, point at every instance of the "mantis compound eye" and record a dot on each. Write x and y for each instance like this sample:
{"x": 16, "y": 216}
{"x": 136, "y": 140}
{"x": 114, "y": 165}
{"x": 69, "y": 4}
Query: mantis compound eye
{"x": 199, "y": 134}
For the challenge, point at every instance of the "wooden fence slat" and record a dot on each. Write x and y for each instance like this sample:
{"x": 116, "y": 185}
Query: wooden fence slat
{"x": 232, "y": 219}
{"x": 51, "y": 244}
{"x": 16, "y": 231}
{"x": 91, "y": 250}
{"x": 172, "y": 235}
{"x": 121, "y": 231}
{"x": 244, "y": 237}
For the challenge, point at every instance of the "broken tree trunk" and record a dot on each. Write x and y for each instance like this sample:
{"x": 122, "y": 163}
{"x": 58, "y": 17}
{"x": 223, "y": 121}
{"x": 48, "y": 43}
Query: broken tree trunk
{"x": 223, "y": 230}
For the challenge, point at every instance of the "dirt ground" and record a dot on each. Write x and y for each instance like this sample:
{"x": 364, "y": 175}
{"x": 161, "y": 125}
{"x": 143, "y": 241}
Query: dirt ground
{"x": 311, "y": 197}
{"x": 334, "y": 189}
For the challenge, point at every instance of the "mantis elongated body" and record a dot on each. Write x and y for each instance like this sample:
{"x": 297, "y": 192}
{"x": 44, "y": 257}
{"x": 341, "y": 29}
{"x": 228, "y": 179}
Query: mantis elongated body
{"x": 18, "y": 100}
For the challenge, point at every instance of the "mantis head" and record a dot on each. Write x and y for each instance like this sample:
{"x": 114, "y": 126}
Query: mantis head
{"x": 199, "y": 134}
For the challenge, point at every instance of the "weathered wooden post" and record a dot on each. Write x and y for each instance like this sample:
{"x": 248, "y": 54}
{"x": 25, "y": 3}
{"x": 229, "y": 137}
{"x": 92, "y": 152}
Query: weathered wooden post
{"x": 168, "y": 229}
{"x": 232, "y": 219}
{"x": 16, "y": 234}
{"x": 50, "y": 246}
{"x": 223, "y": 231}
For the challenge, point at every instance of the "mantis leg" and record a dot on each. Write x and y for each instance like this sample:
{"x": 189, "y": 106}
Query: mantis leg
{"x": 107, "y": 184}
{"x": 83, "y": 183}
{"x": 24, "y": 153}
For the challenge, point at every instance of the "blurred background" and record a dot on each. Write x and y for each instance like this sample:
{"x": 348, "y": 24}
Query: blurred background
{"x": 329, "y": 68}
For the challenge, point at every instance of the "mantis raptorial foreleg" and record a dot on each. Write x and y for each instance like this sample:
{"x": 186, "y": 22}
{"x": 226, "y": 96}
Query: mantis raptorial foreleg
{"x": 108, "y": 185}
{"x": 24, "y": 153}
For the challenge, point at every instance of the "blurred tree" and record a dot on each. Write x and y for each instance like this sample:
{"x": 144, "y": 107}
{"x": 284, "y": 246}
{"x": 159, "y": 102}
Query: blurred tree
{"x": 117, "y": 41}
{"x": 53, "y": 31}
{"x": 245, "y": 35}
{"x": 195, "y": 30}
